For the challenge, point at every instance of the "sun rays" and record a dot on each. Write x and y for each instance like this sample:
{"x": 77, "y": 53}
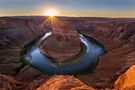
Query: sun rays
{"x": 51, "y": 20}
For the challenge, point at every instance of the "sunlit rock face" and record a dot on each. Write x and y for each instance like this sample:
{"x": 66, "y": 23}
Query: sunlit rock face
{"x": 126, "y": 81}
{"x": 63, "y": 44}
{"x": 60, "y": 82}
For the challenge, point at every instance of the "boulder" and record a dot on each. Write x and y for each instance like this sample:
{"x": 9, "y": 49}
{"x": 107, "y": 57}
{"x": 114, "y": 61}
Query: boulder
{"x": 60, "y": 82}
{"x": 126, "y": 81}
{"x": 63, "y": 44}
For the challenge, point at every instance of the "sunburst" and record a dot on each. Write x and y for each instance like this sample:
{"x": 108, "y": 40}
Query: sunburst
{"x": 51, "y": 12}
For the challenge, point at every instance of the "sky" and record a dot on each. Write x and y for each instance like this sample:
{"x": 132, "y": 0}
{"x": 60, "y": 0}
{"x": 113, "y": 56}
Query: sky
{"x": 75, "y": 8}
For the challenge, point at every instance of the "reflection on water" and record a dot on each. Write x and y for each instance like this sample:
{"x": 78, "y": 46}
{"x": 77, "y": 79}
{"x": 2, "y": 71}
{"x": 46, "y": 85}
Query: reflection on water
{"x": 83, "y": 63}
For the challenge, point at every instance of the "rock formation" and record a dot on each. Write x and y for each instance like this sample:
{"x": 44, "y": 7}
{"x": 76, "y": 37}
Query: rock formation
{"x": 63, "y": 44}
{"x": 127, "y": 80}
{"x": 57, "y": 82}
{"x": 112, "y": 33}
{"x": 60, "y": 82}
{"x": 129, "y": 33}
{"x": 116, "y": 30}
{"x": 8, "y": 83}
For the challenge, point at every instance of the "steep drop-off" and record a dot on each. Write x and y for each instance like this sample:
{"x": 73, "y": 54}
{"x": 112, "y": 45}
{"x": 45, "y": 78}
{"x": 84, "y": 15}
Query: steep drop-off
{"x": 117, "y": 35}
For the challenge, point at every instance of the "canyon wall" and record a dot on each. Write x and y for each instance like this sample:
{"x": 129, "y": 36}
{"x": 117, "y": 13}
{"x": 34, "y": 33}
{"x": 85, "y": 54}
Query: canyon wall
{"x": 117, "y": 35}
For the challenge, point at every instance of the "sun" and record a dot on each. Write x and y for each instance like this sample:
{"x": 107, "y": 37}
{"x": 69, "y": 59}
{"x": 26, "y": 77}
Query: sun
{"x": 51, "y": 12}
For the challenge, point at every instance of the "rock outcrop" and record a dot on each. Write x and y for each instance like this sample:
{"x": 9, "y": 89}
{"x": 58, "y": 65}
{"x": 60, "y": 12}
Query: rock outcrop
{"x": 28, "y": 73}
{"x": 116, "y": 30}
{"x": 60, "y": 82}
{"x": 18, "y": 31}
{"x": 63, "y": 44}
{"x": 129, "y": 33}
{"x": 8, "y": 83}
{"x": 57, "y": 82}
{"x": 126, "y": 81}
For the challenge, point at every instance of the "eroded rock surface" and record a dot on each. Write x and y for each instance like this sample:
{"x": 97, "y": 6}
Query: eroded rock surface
{"x": 60, "y": 82}
{"x": 29, "y": 73}
{"x": 116, "y": 30}
{"x": 127, "y": 80}
{"x": 8, "y": 83}
{"x": 17, "y": 32}
{"x": 63, "y": 44}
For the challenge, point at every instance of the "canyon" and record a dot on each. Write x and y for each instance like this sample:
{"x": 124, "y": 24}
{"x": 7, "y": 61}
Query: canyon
{"x": 117, "y": 35}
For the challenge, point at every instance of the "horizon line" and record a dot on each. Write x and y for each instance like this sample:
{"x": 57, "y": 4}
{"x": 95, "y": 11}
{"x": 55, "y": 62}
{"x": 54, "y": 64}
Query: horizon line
{"x": 64, "y": 16}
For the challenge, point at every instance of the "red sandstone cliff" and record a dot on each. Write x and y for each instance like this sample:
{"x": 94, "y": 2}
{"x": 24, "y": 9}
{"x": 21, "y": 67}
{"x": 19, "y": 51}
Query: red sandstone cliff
{"x": 116, "y": 35}
{"x": 64, "y": 83}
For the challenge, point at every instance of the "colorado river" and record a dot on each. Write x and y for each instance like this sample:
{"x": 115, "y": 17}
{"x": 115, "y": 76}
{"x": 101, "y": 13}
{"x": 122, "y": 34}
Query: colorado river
{"x": 84, "y": 63}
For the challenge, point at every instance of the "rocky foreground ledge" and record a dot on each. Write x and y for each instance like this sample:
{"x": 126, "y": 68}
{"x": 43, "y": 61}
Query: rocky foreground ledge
{"x": 57, "y": 82}
{"x": 60, "y": 82}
